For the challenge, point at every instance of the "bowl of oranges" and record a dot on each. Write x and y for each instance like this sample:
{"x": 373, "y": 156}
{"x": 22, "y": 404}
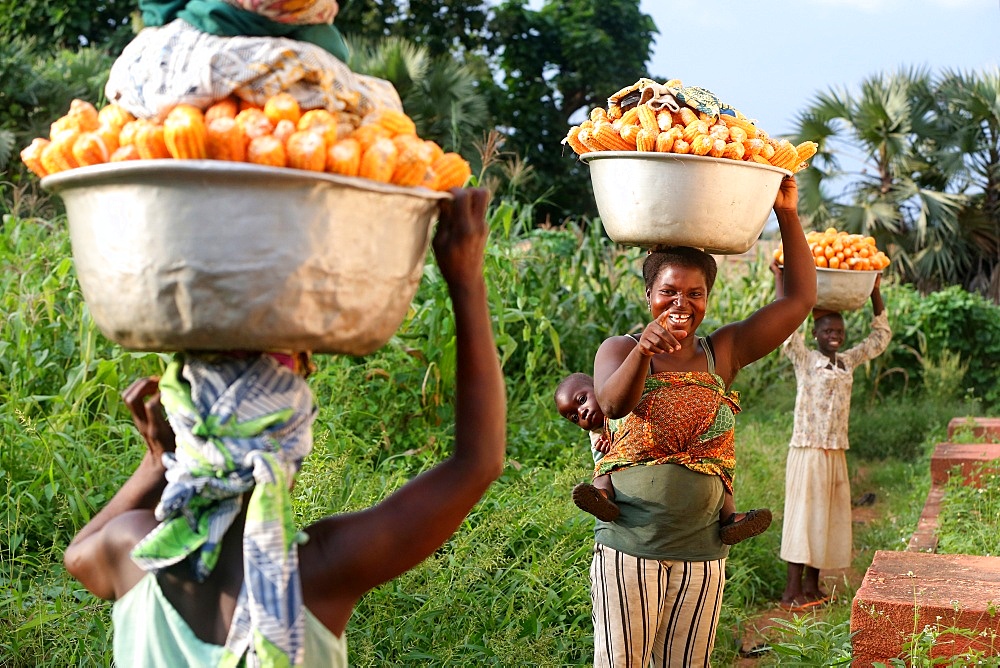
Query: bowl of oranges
{"x": 846, "y": 267}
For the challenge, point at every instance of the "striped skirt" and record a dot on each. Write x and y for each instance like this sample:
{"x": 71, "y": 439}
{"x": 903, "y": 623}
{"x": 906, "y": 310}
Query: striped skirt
{"x": 647, "y": 610}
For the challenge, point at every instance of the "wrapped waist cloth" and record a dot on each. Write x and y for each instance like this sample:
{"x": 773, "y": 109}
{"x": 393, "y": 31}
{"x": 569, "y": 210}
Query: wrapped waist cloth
{"x": 179, "y": 64}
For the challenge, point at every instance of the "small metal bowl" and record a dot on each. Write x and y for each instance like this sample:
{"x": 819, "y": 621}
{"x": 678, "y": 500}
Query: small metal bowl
{"x": 717, "y": 204}
{"x": 214, "y": 255}
{"x": 843, "y": 289}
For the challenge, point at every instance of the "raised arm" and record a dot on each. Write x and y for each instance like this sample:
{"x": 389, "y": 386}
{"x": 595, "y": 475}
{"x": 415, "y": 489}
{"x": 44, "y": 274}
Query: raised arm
{"x": 347, "y": 555}
{"x": 98, "y": 556}
{"x": 741, "y": 343}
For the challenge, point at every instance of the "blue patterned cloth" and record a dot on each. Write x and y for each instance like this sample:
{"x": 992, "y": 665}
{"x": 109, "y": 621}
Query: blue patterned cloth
{"x": 241, "y": 425}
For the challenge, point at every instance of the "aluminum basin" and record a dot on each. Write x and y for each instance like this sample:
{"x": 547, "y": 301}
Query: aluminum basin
{"x": 213, "y": 255}
{"x": 843, "y": 289}
{"x": 717, "y": 204}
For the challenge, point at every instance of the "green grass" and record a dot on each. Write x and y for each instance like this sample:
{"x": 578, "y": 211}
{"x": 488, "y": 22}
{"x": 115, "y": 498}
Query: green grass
{"x": 511, "y": 587}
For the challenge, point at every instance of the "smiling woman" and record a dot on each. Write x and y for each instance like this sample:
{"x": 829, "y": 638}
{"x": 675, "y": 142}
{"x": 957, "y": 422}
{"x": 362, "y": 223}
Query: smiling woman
{"x": 671, "y": 419}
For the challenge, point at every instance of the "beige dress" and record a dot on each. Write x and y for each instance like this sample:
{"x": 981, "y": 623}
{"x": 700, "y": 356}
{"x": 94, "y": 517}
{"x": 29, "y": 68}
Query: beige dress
{"x": 817, "y": 518}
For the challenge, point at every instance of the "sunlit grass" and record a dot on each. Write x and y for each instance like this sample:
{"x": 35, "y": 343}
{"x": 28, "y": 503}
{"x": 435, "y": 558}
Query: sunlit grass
{"x": 511, "y": 587}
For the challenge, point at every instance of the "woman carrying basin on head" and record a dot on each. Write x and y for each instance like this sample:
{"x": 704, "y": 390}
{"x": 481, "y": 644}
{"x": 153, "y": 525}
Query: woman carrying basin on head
{"x": 658, "y": 570}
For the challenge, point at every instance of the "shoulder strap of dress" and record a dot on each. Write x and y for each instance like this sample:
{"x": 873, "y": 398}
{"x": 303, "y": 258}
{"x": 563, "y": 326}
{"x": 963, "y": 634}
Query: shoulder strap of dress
{"x": 637, "y": 337}
{"x": 706, "y": 343}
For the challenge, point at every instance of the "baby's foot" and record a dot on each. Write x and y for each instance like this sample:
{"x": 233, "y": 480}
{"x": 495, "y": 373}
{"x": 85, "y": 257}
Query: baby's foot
{"x": 754, "y": 522}
{"x": 589, "y": 498}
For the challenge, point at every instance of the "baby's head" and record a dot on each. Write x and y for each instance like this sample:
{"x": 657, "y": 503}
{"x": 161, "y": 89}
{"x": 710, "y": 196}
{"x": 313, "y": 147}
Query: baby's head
{"x": 577, "y": 402}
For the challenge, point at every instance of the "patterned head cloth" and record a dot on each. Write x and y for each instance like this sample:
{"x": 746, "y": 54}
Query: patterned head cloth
{"x": 241, "y": 425}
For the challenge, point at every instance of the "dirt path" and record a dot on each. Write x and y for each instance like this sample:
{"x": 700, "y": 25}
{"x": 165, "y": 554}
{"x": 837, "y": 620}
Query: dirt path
{"x": 760, "y": 631}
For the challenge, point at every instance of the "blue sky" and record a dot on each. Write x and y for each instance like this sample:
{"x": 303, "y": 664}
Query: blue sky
{"x": 770, "y": 59}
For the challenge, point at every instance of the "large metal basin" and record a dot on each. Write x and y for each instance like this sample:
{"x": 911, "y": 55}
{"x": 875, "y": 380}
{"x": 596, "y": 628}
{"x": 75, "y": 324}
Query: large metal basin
{"x": 843, "y": 289}
{"x": 717, "y": 204}
{"x": 213, "y": 255}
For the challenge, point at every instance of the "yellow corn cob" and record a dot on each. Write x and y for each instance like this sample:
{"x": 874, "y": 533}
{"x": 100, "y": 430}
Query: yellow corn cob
{"x": 687, "y": 116}
{"x": 614, "y": 111}
{"x": 184, "y": 133}
{"x": 323, "y": 122}
{"x": 114, "y": 116}
{"x": 284, "y": 129}
{"x": 393, "y": 120}
{"x": 306, "y": 150}
{"x": 693, "y": 129}
{"x": 752, "y": 147}
{"x": 741, "y": 123}
{"x": 85, "y": 114}
{"x": 109, "y": 135}
{"x": 282, "y": 106}
{"x": 630, "y": 117}
{"x": 378, "y": 161}
{"x": 57, "y": 155}
{"x": 647, "y": 119}
{"x": 254, "y": 123}
{"x": 701, "y": 144}
{"x": 737, "y": 134}
{"x": 708, "y": 118}
{"x": 436, "y": 151}
{"x": 267, "y": 150}
{"x": 664, "y": 120}
{"x": 31, "y": 156}
{"x": 665, "y": 140}
{"x": 573, "y": 139}
{"x": 718, "y": 147}
{"x": 452, "y": 171}
{"x": 785, "y": 156}
{"x": 368, "y": 133}
{"x": 227, "y": 107}
{"x": 224, "y": 140}
{"x": 607, "y": 137}
{"x": 586, "y": 137}
{"x": 344, "y": 157}
{"x": 89, "y": 149}
{"x": 719, "y": 131}
{"x": 126, "y": 136}
{"x": 761, "y": 159}
{"x": 734, "y": 151}
{"x": 598, "y": 114}
{"x": 767, "y": 151}
{"x": 630, "y": 134}
{"x": 66, "y": 122}
{"x": 646, "y": 140}
{"x": 806, "y": 150}
{"x": 681, "y": 146}
{"x": 412, "y": 166}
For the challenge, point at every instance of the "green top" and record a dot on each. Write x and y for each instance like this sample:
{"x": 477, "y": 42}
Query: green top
{"x": 668, "y": 512}
{"x": 150, "y": 632}
{"x": 224, "y": 20}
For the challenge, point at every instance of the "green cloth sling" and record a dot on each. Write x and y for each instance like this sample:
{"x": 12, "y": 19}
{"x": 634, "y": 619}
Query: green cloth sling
{"x": 224, "y": 20}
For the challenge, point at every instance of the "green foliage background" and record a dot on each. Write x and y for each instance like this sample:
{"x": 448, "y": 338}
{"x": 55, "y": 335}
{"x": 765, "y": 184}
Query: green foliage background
{"x": 502, "y": 589}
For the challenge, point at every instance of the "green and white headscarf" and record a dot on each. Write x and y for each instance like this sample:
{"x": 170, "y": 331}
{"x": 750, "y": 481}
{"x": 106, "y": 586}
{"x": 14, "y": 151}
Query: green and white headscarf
{"x": 241, "y": 425}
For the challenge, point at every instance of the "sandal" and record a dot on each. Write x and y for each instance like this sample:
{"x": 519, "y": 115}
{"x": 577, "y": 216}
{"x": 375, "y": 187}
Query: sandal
{"x": 754, "y": 523}
{"x": 802, "y": 607}
{"x": 588, "y": 498}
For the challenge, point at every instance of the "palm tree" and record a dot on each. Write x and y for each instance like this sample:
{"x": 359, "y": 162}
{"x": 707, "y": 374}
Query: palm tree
{"x": 972, "y": 106}
{"x": 441, "y": 95}
{"x": 890, "y": 165}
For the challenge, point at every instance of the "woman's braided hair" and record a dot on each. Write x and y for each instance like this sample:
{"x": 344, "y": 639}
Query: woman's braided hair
{"x": 684, "y": 256}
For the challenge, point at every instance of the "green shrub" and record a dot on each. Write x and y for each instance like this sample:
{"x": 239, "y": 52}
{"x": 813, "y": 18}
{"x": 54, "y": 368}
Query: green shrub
{"x": 929, "y": 330}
